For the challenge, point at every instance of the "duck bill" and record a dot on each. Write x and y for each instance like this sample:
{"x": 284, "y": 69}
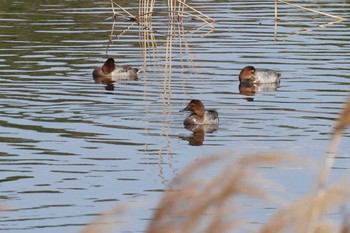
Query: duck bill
{"x": 184, "y": 110}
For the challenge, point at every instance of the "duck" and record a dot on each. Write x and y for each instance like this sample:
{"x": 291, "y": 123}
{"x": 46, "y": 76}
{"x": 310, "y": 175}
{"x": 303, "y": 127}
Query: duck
{"x": 111, "y": 70}
{"x": 250, "y": 75}
{"x": 200, "y": 116}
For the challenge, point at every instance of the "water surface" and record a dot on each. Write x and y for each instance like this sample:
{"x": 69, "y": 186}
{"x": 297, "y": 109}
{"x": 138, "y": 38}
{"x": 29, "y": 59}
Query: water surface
{"x": 71, "y": 149}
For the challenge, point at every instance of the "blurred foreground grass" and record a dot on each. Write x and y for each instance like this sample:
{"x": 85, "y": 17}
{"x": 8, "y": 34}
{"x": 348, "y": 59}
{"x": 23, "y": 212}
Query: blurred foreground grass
{"x": 195, "y": 203}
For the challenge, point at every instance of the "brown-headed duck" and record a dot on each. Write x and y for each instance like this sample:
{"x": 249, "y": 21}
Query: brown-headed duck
{"x": 111, "y": 70}
{"x": 251, "y": 75}
{"x": 200, "y": 116}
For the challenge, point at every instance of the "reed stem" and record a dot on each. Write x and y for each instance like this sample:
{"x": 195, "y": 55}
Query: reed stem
{"x": 276, "y": 10}
{"x": 315, "y": 11}
{"x": 123, "y": 9}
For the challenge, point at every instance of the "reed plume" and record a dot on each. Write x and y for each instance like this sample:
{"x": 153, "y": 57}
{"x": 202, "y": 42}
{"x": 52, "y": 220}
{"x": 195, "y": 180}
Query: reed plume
{"x": 195, "y": 204}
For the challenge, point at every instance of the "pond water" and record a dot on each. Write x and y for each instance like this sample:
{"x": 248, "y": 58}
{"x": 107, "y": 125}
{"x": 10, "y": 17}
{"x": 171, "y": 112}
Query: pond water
{"x": 70, "y": 149}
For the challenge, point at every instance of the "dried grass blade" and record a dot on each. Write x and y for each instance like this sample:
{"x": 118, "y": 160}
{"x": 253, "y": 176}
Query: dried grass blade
{"x": 276, "y": 11}
{"x": 315, "y": 11}
{"x": 103, "y": 223}
{"x": 201, "y": 205}
{"x": 342, "y": 123}
{"x": 199, "y": 12}
{"x": 303, "y": 215}
{"x": 123, "y": 9}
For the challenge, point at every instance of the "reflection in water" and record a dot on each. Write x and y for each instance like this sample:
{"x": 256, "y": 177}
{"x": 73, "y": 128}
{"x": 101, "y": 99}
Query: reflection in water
{"x": 199, "y": 131}
{"x": 106, "y": 81}
{"x": 110, "y": 82}
{"x": 251, "y": 89}
{"x": 298, "y": 32}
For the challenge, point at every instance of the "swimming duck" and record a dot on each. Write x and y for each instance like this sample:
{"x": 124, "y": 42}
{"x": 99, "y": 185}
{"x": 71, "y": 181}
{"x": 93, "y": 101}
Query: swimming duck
{"x": 111, "y": 70}
{"x": 250, "y": 75}
{"x": 200, "y": 116}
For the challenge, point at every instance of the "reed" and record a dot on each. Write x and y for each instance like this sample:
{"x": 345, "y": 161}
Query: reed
{"x": 193, "y": 203}
{"x": 200, "y": 205}
{"x": 307, "y": 9}
{"x": 338, "y": 19}
{"x": 342, "y": 122}
{"x": 304, "y": 214}
{"x": 209, "y": 20}
{"x": 104, "y": 222}
{"x": 123, "y": 9}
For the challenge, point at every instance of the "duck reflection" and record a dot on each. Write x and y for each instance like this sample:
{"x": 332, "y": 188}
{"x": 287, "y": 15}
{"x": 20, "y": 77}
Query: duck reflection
{"x": 110, "y": 82}
{"x": 199, "y": 131}
{"x": 251, "y": 89}
{"x": 106, "y": 81}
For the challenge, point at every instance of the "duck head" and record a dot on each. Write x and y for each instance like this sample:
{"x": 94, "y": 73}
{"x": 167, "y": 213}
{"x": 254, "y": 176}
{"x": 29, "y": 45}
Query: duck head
{"x": 247, "y": 74}
{"x": 108, "y": 66}
{"x": 196, "y": 107}
{"x": 106, "y": 70}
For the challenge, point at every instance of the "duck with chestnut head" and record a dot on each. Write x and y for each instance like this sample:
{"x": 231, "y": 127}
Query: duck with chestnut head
{"x": 199, "y": 115}
{"x": 112, "y": 71}
{"x": 250, "y": 75}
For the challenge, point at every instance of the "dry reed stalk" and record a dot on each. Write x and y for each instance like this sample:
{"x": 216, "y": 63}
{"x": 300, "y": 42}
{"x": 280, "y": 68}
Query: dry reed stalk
{"x": 146, "y": 8}
{"x": 181, "y": 10}
{"x": 147, "y": 38}
{"x": 171, "y": 8}
{"x": 315, "y": 11}
{"x": 111, "y": 35}
{"x": 168, "y": 64}
{"x": 303, "y": 215}
{"x": 276, "y": 12}
{"x": 306, "y": 29}
{"x": 200, "y": 205}
{"x": 104, "y": 222}
{"x": 184, "y": 47}
{"x": 141, "y": 7}
{"x": 148, "y": 41}
{"x": 342, "y": 123}
{"x": 123, "y": 9}
{"x": 306, "y": 213}
{"x": 113, "y": 7}
{"x": 211, "y": 20}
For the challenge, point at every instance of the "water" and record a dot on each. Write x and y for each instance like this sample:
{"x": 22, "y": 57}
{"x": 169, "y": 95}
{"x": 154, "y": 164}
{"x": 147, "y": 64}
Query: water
{"x": 71, "y": 149}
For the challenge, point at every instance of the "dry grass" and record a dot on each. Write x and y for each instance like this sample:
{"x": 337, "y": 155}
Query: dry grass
{"x": 205, "y": 205}
{"x": 196, "y": 203}
{"x": 337, "y": 18}
{"x": 342, "y": 122}
{"x": 304, "y": 215}
{"x": 307, "y": 9}
{"x": 105, "y": 221}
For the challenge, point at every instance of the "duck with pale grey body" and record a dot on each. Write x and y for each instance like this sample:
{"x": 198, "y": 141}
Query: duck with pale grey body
{"x": 250, "y": 75}
{"x": 199, "y": 115}
{"x": 114, "y": 72}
